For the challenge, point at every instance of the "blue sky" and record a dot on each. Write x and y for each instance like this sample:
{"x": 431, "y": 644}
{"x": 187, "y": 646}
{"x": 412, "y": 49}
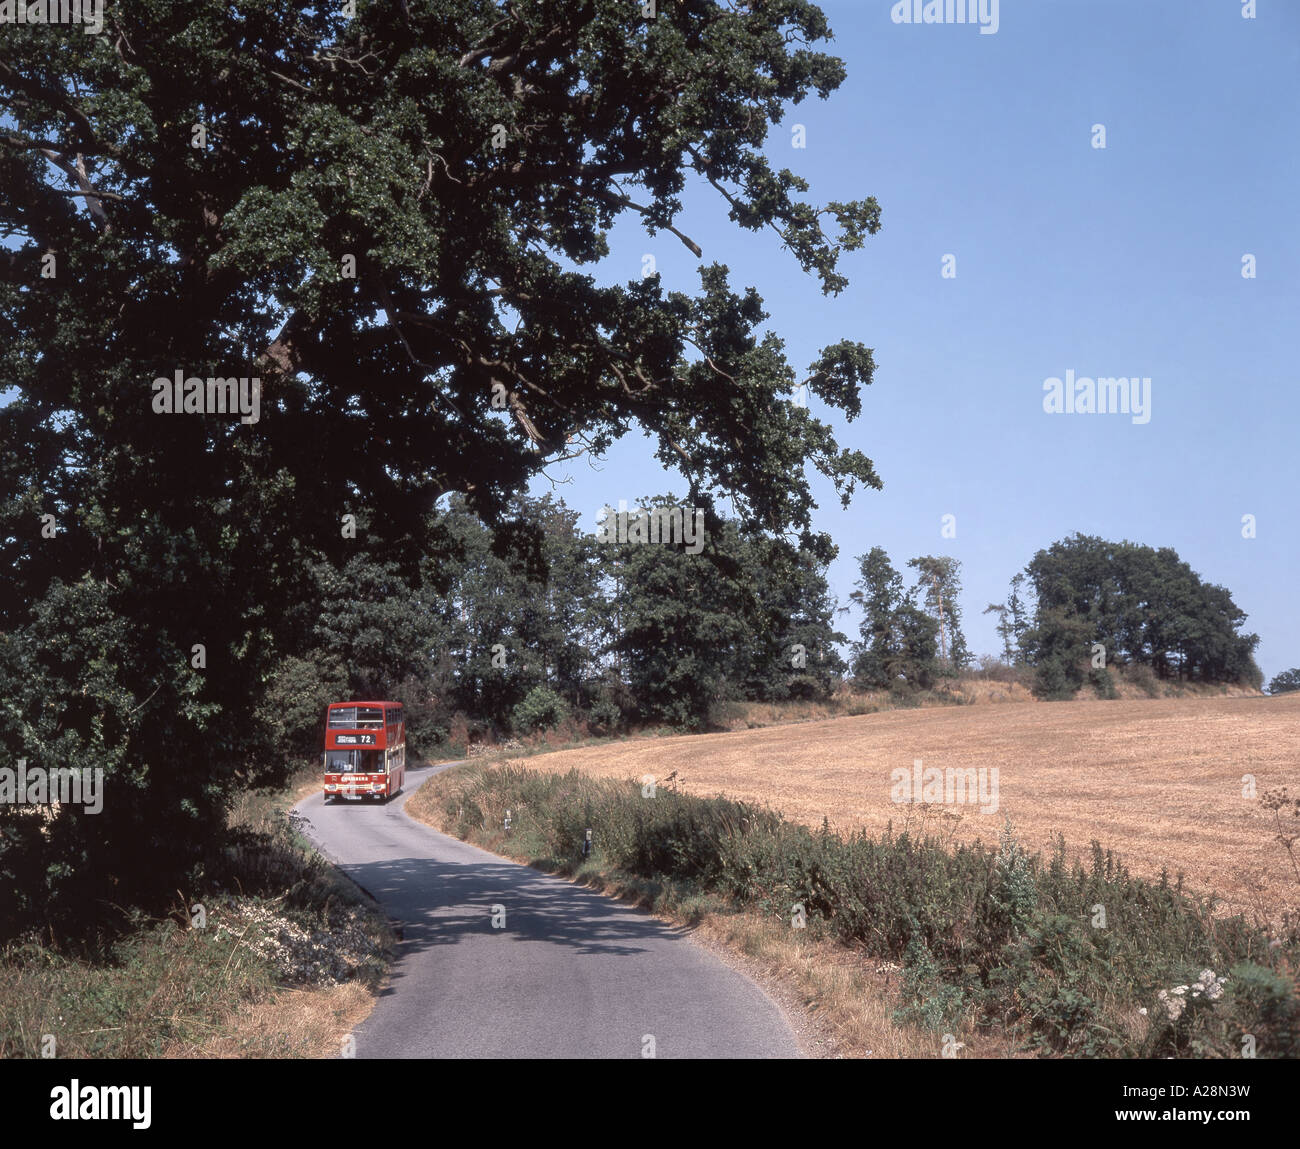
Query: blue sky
{"x": 1123, "y": 261}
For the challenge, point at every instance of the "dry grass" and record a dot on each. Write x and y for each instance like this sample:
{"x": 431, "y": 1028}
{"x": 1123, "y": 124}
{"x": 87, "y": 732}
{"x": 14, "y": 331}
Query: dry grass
{"x": 751, "y": 715}
{"x": 309, "y": 1023}
{"x": 969, "y": 690}
{"x": 1158, "y": 780}
{"x": 840, "y": 1004}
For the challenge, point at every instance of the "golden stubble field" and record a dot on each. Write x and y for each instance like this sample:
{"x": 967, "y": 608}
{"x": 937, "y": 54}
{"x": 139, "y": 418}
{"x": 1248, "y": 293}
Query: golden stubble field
{"x": 1160, "y": 781}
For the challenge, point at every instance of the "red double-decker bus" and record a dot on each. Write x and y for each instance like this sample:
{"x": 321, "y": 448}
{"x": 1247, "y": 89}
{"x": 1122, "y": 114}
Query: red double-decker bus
{"x": 365, "y": 750}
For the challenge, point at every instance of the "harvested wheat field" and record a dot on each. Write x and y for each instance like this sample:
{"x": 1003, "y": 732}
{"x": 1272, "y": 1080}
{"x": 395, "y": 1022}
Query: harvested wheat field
{"x": 1158, "y": 780}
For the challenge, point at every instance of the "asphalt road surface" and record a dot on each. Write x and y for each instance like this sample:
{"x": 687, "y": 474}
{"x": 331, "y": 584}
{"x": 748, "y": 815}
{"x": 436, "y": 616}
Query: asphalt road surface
{"x": 570, "y": 973}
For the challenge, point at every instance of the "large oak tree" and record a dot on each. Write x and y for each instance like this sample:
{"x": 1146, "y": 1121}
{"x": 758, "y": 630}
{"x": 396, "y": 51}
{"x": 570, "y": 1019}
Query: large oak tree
{"x": 385, "y": 217}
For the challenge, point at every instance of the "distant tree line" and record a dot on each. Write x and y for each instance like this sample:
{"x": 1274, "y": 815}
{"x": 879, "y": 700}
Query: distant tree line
{"x": 516, "y": 629}
{"x": 1080, "y": 607}
{"x": 513, "y": 629}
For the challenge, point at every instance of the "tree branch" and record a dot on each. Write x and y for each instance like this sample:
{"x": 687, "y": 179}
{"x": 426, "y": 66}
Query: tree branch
{"x": 77, "y": 173}
{"x": 623, "y": 201}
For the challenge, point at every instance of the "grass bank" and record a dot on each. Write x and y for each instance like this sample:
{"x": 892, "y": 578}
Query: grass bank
{"x": 278, "y": 954}
{"x": 909, "y": 944}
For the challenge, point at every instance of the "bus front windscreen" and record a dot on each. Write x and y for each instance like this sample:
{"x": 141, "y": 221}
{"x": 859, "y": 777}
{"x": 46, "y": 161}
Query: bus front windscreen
{"x": 340, "y": 761}
{"x": 353, "y": 762}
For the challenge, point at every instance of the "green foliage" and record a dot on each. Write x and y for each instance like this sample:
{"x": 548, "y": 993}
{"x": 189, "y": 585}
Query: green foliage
{"x": 930, "y": 999}
{"x": 900, "y": 641}
{"x": 606, "y": 716}
{"x": 541, "y": 709}
{"x": 373, "y": 623}
{"x": 1018, "y": 612}
{"x": 1061, "y": 648}
{"x": 296, "y": 698}
{"x": 790, "y": 651}
{"x": 1145, "y": 606}
{"x": 914, "y": 656}
{"x": 1285, "y": 682}
{"x": 1013, "y": 895}
{"x": 522, "y": 606}
{"x": 747, "y": 616}
{"x": 1252, "y": 1010}
{"x": 908, "y": 638}
{"x": 880, "y": 594}
{"x": 427, "y": 720}
{"x": 1004, "y": 629}
{"x": 1102, "y": 682}
{"x": 499, "y": 612}
{"x": 1264, "y": 1002}
{"x": 939, "y": 589}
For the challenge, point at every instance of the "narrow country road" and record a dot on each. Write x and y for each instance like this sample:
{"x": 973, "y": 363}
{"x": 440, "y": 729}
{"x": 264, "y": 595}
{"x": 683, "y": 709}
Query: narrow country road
{"x": 572, "y": 974}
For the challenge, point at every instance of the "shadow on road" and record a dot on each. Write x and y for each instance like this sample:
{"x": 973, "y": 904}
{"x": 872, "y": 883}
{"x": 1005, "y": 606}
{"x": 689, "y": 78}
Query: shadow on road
{"x": 440, "y": 904}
